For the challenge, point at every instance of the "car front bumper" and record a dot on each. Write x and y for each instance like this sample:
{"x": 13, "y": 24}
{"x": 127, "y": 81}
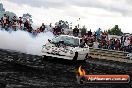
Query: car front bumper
{"x": 57, "y": 56}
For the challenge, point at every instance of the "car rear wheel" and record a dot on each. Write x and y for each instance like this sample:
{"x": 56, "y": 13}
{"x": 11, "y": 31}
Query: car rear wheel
{"x": 86, "y": 57}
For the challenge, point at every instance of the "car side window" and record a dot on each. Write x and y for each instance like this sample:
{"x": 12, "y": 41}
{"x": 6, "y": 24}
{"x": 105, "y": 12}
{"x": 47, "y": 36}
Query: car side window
{"x": 56, "y": 39}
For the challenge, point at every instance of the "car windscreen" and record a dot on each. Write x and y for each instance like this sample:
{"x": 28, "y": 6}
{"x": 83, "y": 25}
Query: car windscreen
{"x": 67, "y": 40}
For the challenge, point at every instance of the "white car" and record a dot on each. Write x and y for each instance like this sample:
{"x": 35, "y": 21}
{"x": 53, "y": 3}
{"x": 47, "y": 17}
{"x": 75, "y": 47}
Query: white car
{"x": 129, "y": 56}
{"x": 66, "y": 47}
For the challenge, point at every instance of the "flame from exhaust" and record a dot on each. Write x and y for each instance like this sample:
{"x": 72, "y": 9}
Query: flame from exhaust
{"x": 81, "y": 71}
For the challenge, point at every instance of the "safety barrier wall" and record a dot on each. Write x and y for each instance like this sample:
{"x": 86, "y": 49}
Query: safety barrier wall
{"x": 110, "y": 55}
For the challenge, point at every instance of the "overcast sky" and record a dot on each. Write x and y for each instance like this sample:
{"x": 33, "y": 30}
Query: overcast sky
{"x": 92, "y": 13}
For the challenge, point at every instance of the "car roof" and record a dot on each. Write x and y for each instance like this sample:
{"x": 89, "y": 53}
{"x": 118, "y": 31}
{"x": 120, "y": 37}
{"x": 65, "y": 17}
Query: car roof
{"x": 71, "y": 36}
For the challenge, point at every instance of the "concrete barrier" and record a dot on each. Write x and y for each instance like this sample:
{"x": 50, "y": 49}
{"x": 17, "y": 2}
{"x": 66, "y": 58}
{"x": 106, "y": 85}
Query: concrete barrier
{"x": 110, "y": 55}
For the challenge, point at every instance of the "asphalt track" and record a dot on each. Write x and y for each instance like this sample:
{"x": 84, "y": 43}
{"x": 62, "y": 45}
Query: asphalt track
{"x": 55, "y": 73}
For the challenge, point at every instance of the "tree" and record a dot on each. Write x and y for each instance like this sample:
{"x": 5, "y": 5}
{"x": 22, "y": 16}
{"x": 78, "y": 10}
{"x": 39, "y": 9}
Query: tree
{"x": 115, "y": 31}
{"x": 28, "y": 17}
{"x": 8, "y": 13}
{"x": 83, "y": 30}
{"x": 63, "y": 24}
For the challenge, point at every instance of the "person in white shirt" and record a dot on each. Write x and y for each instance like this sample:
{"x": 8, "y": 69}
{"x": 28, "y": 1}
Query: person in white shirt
{"x": 4, "y": 19}
{"x": 126, "y": 44}
{"x": 96, "y": 44}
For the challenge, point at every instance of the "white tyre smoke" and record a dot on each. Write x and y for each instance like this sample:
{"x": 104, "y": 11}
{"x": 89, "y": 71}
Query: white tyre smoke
{"x": 22, "y": 41}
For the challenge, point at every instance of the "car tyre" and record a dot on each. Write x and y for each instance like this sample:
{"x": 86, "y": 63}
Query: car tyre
{"x": 75, "y": 57}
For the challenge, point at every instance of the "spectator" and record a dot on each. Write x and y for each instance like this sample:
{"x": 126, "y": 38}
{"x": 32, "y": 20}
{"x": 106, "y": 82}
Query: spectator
{"x": 96, "y": 44}
{"x": 83, "y": 43}
{"x": 14, "y": 23}
{"x": 126, "y": 44}
{"x": 7, "y": 24}
{"x": 30, "y": 29}
{"x": 117, "y": 44}
{"x": 42, "y": 28}
{"x": 112, "y": 44}
{"x": 89, "y": 33}
{"x": 38, "y": 30}
{"x": 50, "y": 27}
{"x": 7, "y": 21}
{"x": 95, "y": 35}
{"x": 57, "y": 30}
{"x": 122, "y": 39}
{"x": 75, "y": 31}
{"x": 4, "y": 20}
{"x": 90, "y": 41}
{"x": 131, "y": 43}
{"x": 98, "y": 33}
{"x": 54, "y": 30}
{"x": 26, "y": 25}
{"x": 34, "y": 32}
{"x": 131, "y": 40}
{"x": 0, "y": 23}
{"x": 20, "y": 22}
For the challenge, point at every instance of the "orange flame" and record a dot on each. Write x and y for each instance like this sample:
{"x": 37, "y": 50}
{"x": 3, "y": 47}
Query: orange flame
{"x": 81, "y": 71}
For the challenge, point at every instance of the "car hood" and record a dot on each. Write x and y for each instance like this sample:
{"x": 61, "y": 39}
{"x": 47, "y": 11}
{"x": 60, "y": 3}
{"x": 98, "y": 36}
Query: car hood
{"x": 66, "y": 47}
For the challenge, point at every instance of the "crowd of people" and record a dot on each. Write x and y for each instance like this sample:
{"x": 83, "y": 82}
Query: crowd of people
{"x": 19, "y": 24}
{"x": 95, "y": 40}
{"x": 102, "y": 40}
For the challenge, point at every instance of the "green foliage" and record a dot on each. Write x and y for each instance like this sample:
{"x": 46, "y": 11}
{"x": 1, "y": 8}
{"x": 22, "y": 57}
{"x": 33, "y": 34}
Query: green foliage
{"x": 10, "y": 14}
{"x": 28, "y": 17}
{"x": 63, "y": 24}
{"x": 115, "y": 31}
{"x": 83, "y": 30}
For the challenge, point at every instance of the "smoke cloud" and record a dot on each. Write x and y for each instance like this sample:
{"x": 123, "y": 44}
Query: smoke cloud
{"x": 22, "y": 41}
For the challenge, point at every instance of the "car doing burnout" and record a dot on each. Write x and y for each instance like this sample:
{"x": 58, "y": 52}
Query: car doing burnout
{"x": 66, "y": 47}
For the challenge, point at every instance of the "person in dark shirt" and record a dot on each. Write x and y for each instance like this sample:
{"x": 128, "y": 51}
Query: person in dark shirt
{"x": 4, "y": 19}
{"x": 26, "y": 25}
{"x": 30, "y": 29}
{"x": 55, "y": 30}
{"x": 42, "y": 28}
{"x": 7, "y": 20}
{"x": 58, "y": 30}
{"x": 0, "y": 23}
{"x": 89, "y": 33}
{"x": 20, "y": 22}
{"x": 14, "y": 19}
{"x": 14, "y": 23}
{"x": 75, "y": 31}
